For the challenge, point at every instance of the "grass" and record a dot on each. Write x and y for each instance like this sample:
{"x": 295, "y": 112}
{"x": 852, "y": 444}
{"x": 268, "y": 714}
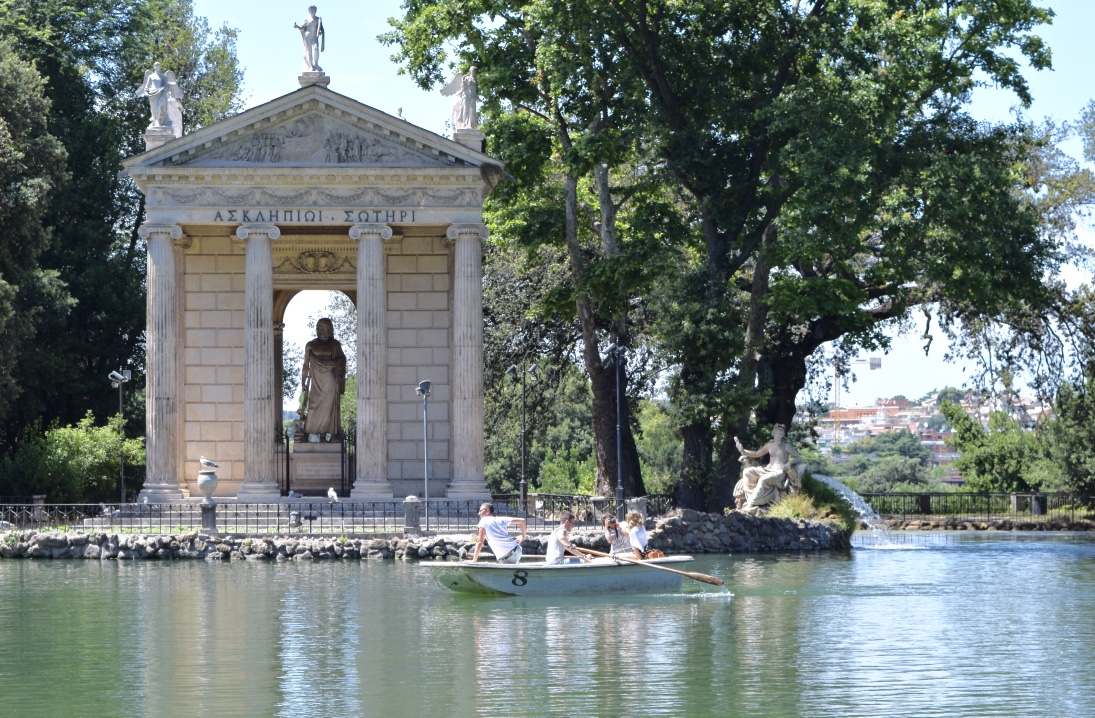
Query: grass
{"x": 817, "y": 502}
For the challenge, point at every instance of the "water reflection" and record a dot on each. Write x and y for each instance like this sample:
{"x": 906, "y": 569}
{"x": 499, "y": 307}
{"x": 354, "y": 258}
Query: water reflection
{"x": 981, "y": 627}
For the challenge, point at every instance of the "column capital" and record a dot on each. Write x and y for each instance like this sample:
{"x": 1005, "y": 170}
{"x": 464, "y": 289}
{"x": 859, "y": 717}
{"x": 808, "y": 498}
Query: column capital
{"x": 456, "y": 231}
{"x": 246, "y": 230}
{"x": 148, "y": 229}
{"x": 362, "y": 230}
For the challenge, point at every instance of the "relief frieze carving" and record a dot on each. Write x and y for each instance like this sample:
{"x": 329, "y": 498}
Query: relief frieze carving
{"x": 314, "y": 262}
{"x": 315, "y": 139}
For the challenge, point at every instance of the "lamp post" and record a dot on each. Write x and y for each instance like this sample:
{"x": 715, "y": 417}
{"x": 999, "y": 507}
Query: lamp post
{"x": 512, "y": 371}
{"x": 117, "y": 379}
{"x": 423, "y": 391}
{"x": 616, "y": 352}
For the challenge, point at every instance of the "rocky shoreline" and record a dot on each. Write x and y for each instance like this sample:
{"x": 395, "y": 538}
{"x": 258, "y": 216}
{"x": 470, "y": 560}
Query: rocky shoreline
{"x": 685, "y": 532}
{"x": 995, "y": 525}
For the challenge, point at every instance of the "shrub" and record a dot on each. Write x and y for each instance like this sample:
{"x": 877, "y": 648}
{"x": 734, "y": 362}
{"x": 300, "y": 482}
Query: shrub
{"x": 562, "y": 472}
{"x": 817, "y": 501}
{"x": 73, "y": 464}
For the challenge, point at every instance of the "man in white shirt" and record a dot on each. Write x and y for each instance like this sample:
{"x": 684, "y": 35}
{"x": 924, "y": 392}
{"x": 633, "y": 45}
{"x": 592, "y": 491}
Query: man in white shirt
{"x": 559, "y": 543}
{"x": 494, "y": 529}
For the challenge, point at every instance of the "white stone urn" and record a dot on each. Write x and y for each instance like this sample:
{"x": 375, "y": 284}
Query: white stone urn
{"x": 207, "y": 484}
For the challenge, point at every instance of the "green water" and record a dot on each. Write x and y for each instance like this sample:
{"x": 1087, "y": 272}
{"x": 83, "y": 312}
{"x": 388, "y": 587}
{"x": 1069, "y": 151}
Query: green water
{"x": 963, "y": 625}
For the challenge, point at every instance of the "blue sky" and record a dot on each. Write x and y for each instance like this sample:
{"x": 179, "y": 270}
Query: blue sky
{"x": 270, "y": 51}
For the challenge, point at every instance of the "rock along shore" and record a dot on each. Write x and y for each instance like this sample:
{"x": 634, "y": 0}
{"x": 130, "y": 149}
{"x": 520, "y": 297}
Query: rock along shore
{"x": 995, "y": 525}
{"x": 685, "y": 532}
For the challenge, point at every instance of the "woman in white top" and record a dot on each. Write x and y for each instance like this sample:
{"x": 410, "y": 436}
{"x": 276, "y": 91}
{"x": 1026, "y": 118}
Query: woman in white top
{"x": 636, "y": 533}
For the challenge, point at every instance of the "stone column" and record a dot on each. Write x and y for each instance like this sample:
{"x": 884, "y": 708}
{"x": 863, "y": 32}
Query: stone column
{"x": 467, "y": 363}
{"x": 259, "y": 392}
{"x": 372, "y": 364}
{"x": 161, "y": 366}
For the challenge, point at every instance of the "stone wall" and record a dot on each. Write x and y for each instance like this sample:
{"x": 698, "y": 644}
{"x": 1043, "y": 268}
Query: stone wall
{"x": 419, "y": 295}
{"x": 689, "y": 532}
{"x": 211, "y": 364}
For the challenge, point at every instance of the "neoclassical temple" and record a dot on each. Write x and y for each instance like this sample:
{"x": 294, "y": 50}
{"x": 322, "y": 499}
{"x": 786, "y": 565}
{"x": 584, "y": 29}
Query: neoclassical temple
{"x": 313, "y": 190}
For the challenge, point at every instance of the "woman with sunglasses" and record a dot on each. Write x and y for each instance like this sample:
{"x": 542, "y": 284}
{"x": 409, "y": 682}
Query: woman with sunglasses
{"x": 618, "y": 536}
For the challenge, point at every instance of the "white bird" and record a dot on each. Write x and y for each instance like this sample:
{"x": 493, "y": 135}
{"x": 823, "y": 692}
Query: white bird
{"x": 207, "y": 462}
{"x": 333, "y": 496}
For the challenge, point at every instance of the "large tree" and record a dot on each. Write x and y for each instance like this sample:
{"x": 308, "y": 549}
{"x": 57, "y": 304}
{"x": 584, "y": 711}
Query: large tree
{"x": 93, "y": 54}
{"x": 32, "y": 165}
{"x": 583, "y": 194}
{"x": 825, "y": 156}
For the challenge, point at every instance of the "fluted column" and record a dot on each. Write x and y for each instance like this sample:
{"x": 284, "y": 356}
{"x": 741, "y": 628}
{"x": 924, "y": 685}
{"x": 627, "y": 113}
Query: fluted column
{"x": 259, "y": 482}
{"x": 161, "y": 367}
{"x": 372, "y": 364}
{"x": 467, "y": 363}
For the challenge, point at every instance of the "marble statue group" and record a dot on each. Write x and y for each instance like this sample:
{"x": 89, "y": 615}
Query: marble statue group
{"x": 762, "y": 486}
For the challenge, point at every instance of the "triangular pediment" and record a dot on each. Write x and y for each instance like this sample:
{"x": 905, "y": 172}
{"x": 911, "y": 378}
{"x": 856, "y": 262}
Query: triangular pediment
{"x": 312, "y": 127}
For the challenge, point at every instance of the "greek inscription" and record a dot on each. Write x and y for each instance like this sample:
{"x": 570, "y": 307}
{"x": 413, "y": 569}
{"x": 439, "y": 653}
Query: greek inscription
{"x": 285, "y": 214}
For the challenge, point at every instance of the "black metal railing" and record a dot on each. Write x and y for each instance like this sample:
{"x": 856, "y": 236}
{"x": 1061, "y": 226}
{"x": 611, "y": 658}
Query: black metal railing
{"x": 349, "y": 463}
{"x": 232, "y": 518}
{"x": 302, "y": 517}
{"x": 961, "y": 506}
{"x": 282, "y": 447}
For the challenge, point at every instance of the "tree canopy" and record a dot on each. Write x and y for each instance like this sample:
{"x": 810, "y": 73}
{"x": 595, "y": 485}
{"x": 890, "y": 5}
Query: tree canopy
{"x": 79, "y": 307}
{"x": 815, "y": 170}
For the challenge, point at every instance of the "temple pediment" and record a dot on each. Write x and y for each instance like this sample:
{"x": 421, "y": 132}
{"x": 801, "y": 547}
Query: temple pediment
{"x": 312, "y": 127}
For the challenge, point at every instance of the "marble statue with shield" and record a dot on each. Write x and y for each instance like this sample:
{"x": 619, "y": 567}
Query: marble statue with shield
{"x": 762, "y": 486}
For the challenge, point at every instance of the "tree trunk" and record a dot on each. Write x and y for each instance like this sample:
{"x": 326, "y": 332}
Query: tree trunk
{"x": 692, "y": 490}
{"x": 602, "y": 381}
{"x": 782, "y": 377}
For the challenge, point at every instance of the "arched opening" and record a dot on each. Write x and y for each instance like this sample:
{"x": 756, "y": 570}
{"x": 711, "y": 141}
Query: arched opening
{"x": 297, "y": 315}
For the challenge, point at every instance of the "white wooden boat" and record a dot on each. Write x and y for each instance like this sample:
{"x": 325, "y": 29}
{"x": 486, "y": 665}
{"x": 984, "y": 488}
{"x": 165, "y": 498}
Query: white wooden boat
{"x": 536, "y": 578}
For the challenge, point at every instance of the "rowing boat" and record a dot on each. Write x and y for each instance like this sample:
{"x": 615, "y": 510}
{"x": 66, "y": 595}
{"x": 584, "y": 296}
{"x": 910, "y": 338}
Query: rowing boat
{"x": 536, "y": 578}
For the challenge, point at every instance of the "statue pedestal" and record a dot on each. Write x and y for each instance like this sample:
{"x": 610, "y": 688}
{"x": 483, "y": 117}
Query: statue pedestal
{"x": 314, "y": 78}
{"x": 314, "y": 468}
{"x": 156, "y": 136}
{"x": 472, "y": 139}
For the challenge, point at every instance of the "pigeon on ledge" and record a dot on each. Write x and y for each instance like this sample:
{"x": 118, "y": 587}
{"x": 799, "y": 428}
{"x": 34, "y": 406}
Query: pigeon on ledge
{"x": 296, "y": 495}
{"x": 333, "y": 496}
{"x": 208, "y": 463}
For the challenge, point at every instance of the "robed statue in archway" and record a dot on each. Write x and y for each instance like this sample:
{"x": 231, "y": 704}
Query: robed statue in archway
{"x": 323, "y": 379}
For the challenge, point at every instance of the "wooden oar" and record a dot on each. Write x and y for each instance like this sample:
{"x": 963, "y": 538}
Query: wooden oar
{"x": 621, "y": 557}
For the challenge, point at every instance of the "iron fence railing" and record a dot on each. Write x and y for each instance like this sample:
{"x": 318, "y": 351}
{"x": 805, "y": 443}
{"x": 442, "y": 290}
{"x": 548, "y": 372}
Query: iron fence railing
{"x": 961, "y": 506}
{"x": 302, "y": 517}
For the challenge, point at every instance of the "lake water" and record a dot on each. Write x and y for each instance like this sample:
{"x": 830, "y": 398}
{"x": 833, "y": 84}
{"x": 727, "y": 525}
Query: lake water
{"x": 939, "y": 625}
